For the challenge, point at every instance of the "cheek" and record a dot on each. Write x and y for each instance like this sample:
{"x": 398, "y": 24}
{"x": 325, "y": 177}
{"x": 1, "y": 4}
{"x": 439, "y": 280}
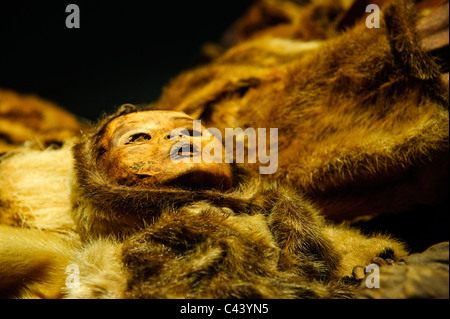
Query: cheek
{"x": 132, "y": 161}
{"x": 141, "y": 162}
{"x": 152, "y": 164}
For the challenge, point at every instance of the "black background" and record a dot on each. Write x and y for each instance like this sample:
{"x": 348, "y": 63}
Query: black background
{"x": 123, "y": 52}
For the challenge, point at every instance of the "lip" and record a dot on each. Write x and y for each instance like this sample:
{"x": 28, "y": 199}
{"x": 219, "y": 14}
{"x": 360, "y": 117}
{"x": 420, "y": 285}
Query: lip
{"x": 178, "y": 153}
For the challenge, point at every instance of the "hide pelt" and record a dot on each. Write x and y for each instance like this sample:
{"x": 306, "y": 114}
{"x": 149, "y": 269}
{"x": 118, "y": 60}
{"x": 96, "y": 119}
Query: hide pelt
{"x": 260, "y": 240}
{"x": 362, "y": 116}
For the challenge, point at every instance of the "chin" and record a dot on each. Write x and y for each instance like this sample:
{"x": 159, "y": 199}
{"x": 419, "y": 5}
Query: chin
{"x": 201, "y": 178}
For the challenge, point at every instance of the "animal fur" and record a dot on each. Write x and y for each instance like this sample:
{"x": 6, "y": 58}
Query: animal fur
{"x": 27, "y": 121}
{"x": 362, "y": 118}
{"x": 38, "y": 237}
{"x": 35, "y": 188}
{"x": 176, "y": 243}
{"x": 182, "y": 243}
{"x": 362, "y": 131}
{"x": 33, "y": 262}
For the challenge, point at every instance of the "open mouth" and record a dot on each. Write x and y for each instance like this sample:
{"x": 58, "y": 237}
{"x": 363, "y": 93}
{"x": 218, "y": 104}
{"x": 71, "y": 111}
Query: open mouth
{"x": 185, "y": 151}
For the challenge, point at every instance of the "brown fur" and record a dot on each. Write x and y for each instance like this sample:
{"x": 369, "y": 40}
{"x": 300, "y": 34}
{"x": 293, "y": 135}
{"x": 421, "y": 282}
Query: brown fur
{"x": 302, "y": 20}
{"x": 173, "y": 230}
{"x": 33, "y": 262}
{"x": 362, "y": 131}
{"x": 182, "y": 243}
{"x": 37, "y": 234}
{"x": 362, "y": 117}
{"x": 27, "y": 121}
{"x": 35, "y": 190}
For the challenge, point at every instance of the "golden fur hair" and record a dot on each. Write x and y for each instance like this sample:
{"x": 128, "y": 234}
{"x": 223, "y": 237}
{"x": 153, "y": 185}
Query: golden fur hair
{"x": 31, "y": 122}
{"x": 362, "y": 118}
{"x": 179, "y": 243}
{"x": 36, "y": 196}
{"x": 363, "y": 129}
{"x": 171, "y": 242}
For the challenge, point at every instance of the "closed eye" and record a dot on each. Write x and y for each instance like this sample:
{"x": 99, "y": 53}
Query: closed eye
{"x": 138, "y": 138}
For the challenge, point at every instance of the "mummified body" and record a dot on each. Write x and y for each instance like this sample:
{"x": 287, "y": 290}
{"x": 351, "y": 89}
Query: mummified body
{"x": 201, "y": 230}
{"x": 367, "y": 110}
{"x": 208, "y": 230}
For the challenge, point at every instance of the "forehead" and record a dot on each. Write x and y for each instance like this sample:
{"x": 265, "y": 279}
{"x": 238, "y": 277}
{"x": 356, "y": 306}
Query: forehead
{"x": 147, "y": 119}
